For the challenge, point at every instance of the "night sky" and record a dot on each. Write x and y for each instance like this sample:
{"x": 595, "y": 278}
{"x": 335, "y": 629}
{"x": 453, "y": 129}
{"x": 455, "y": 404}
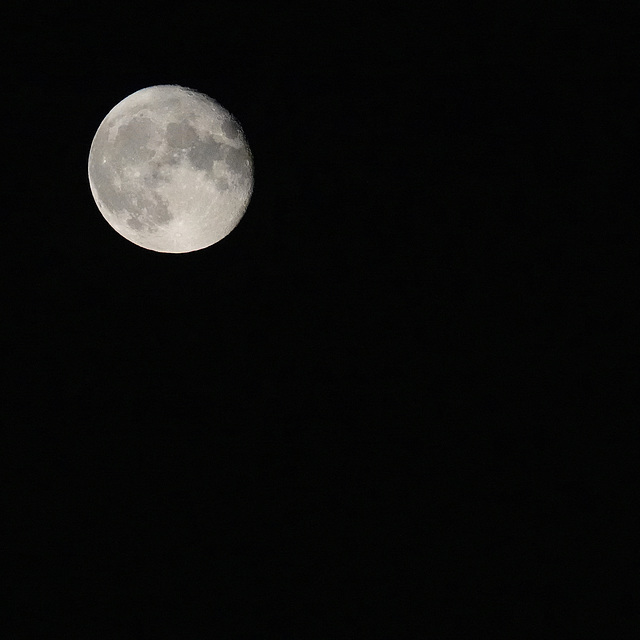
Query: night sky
{"x": 392, "y": 403}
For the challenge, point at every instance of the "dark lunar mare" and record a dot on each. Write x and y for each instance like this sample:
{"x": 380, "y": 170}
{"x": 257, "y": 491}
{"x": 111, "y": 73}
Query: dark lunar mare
{"x": 143, "y": 208}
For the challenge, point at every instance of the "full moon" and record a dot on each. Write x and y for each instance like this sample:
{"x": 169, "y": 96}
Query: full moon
{"x": 170, "y": 169}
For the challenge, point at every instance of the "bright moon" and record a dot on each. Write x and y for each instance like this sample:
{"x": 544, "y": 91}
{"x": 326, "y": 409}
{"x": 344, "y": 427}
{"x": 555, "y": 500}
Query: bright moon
{"x": 170, "y": 169}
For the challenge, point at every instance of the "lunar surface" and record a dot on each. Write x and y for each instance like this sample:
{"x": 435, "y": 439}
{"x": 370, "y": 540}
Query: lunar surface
{"x": 170, "y": 169}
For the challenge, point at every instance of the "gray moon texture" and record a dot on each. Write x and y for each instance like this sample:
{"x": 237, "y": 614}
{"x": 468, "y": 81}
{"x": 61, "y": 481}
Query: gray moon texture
{"x": 170, "y": 169}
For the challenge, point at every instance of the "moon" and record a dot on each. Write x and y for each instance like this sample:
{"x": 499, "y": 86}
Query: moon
{"x": 170, "y": 169}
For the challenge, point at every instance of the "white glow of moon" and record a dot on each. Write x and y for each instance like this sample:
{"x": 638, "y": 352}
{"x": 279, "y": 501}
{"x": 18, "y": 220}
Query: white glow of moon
{"x": 170, "y": 169}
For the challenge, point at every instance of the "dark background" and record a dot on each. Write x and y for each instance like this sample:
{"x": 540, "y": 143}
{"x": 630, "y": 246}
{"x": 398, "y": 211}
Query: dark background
{"x": 392, "y": 403}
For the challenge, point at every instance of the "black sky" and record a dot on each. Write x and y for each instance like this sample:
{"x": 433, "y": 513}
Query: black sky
{"x": 390, "y": 404}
